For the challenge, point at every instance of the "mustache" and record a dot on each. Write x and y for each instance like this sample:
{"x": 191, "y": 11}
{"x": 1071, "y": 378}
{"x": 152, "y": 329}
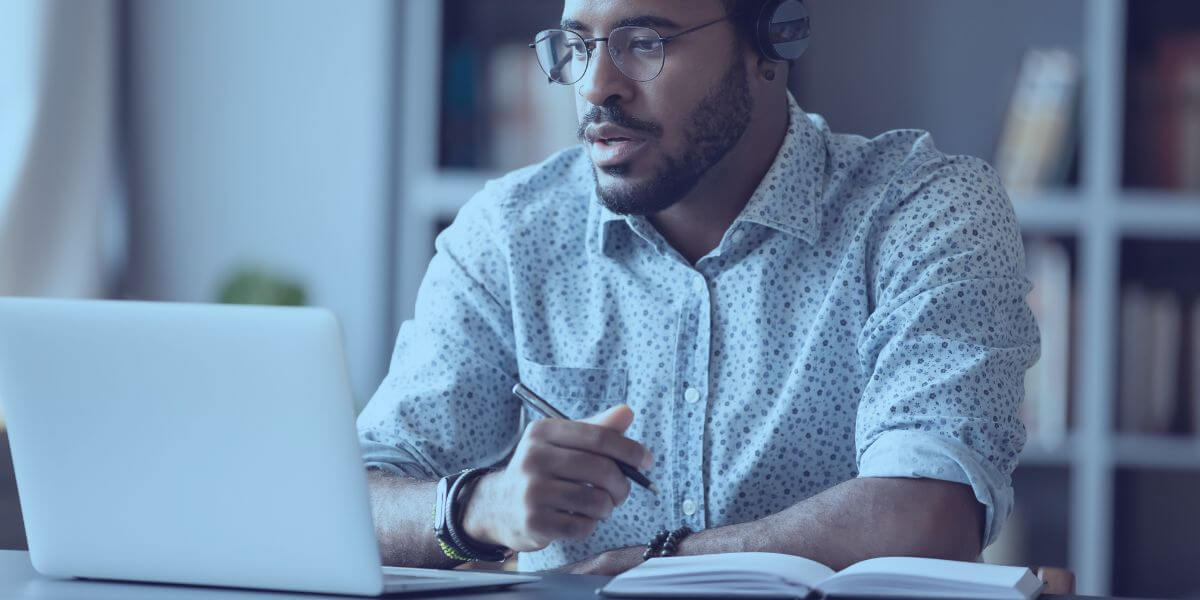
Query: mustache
{"x": 612, "y": 113}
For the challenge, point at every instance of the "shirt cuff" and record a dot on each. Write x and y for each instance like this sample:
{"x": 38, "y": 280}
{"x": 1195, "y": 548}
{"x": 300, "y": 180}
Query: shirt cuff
{"x": 397, "y": 461}
{"x": 902, "y": 453}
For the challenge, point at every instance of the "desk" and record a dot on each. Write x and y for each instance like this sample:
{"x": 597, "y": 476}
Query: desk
{"x": 18, "y": 581}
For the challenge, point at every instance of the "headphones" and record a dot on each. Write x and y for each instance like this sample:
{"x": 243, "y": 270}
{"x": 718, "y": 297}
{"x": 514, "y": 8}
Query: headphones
{"x": 782, "y": 29}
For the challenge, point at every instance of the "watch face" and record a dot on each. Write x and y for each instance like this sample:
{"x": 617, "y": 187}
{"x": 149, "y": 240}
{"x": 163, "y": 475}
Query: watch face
{"x": 439, "y": 508}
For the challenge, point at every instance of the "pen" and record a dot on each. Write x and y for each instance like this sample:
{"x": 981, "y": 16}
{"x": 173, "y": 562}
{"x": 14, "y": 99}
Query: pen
{"x": 544, "y": 408}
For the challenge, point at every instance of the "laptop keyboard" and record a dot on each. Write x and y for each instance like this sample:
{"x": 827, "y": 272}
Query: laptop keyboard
{"x": 392, "y": 578}
{"x": 391, "y": 574}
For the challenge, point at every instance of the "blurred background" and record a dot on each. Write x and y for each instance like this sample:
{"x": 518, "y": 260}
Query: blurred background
{"x": 308, "y": 151}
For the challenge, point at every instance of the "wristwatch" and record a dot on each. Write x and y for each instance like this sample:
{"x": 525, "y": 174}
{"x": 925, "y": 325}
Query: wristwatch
{"x": 447, "y": 520}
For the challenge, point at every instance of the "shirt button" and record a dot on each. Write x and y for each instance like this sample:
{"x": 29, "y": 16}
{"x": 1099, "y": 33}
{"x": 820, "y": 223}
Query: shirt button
{"x": 689, "y": 507}
{"x": 738, "y": 235}
{"x": 691, "y": 394}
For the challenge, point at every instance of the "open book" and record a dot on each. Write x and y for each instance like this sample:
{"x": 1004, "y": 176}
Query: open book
{"x": 769, "y": 575}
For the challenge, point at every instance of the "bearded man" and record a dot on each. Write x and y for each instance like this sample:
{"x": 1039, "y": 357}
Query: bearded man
{"x": 823, "y": 337}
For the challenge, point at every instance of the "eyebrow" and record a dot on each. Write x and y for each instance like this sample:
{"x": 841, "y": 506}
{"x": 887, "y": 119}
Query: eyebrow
{"x": 635, "y": 21}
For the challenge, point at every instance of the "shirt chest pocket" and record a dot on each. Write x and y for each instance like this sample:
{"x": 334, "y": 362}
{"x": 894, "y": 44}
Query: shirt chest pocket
{"x": 576, "y": 391}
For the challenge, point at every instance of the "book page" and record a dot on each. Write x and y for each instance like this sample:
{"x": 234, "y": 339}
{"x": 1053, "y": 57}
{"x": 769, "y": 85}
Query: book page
{"x": 894, "y": 574}
{"x": 735, "y": 573}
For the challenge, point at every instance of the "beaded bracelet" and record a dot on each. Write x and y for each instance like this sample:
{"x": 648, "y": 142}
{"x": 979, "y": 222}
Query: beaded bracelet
{"x": 665, "y": 543}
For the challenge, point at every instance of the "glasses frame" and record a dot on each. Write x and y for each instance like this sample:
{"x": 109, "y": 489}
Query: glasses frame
{"x": 590, "y": 44}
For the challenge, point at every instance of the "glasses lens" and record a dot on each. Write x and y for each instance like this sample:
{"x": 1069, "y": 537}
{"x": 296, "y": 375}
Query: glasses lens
{"x": 563, "y": 55}
{"x": 637, "y": 52}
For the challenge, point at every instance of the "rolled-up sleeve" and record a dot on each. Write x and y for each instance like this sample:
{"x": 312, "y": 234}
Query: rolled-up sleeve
{"x": 445, "y": 402}
{"x": 950, "y": 337}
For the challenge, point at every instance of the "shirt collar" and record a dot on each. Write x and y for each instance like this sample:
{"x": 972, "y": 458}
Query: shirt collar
{"x": 787, "y": 198}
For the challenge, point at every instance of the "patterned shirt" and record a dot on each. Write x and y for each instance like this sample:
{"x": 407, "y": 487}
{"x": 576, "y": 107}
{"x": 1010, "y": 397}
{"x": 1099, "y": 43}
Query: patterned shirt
{"x": 864, "y": 316}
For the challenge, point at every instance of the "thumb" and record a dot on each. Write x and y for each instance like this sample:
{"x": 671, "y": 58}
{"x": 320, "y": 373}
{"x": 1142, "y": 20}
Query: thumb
{"x": 618, "y": 417}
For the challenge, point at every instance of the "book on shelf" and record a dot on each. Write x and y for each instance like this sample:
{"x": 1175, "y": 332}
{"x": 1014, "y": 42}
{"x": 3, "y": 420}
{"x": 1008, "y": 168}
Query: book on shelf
{"x": 459, "y": 127}
{"x": 1163, "y": 124}
{"x": 1133, "y": 358}
{"x": 1177, "y": 75}
{"x": 1045, "y": 410}
{"x": 1166, "y": 321}
{"x": 1151, "y": 343}
{"x": 771, "y": 575}
{"x": 1037, "y": 139}
{"x": 1194, "y": 367}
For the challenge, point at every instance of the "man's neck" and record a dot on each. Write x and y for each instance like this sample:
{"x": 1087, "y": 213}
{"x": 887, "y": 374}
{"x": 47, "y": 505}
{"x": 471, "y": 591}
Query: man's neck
{"x": 695, "y": 224}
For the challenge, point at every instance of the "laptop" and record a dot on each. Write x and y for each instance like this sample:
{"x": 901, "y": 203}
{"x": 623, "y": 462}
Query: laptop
{"x": 194, "y": 444}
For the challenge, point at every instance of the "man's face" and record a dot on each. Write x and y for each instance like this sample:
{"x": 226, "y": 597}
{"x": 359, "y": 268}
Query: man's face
{"x": 650, "y": 142}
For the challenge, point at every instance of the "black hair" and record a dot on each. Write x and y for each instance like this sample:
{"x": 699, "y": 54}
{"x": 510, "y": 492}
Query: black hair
{"x": 744, "y": 14}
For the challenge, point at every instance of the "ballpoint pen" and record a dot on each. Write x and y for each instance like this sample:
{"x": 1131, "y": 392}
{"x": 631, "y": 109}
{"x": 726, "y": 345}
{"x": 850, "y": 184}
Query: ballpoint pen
{"x": 545, "y": 409}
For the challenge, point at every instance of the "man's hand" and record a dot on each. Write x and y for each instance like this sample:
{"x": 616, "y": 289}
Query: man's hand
{"x": 612, "y": 562}
{"x": 561, "y": 480}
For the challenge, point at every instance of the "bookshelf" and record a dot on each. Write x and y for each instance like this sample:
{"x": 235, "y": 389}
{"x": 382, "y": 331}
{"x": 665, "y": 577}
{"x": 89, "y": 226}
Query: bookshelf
{"x": 1080, "y": 493}
{"x": 1048, "y": 213}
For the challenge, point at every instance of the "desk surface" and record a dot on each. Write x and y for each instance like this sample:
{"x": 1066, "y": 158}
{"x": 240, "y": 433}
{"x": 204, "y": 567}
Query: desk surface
{"x": 18, "y": 581}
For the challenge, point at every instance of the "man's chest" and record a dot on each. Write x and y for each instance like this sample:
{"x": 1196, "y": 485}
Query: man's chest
{"x": 768, "y": 326}
{"x": 743, "y": 374}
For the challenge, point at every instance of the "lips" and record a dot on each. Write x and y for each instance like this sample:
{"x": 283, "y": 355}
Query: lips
{"x": 611, "y": 145}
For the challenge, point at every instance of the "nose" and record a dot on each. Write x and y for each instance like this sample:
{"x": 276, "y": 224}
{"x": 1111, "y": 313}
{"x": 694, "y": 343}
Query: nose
{"x": 603, "y": 82}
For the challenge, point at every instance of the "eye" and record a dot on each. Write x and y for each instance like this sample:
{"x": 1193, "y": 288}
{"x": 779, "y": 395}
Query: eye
{"x": 576, "y": 46}
{"x": 644, "y": 44}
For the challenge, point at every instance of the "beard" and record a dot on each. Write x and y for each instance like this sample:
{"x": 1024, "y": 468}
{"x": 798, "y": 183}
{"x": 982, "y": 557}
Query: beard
{"x": 712, "y": 129}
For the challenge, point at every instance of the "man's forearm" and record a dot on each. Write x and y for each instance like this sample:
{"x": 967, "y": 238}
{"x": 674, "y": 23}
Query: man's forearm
{"x": 403, "y": 512}
{"x": 860, "y": 519}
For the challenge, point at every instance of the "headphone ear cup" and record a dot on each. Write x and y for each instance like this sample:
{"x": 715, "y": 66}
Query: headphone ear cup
{"x": 782, "y": 29}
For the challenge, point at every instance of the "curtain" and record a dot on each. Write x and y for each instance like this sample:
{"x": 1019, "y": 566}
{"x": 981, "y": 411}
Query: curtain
{"x": 60, "y": 201}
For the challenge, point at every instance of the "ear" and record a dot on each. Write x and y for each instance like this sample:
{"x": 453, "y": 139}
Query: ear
{"x": 770, "y": 72}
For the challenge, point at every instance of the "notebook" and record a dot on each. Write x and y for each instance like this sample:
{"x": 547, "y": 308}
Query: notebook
{"x": 769, "y": 575}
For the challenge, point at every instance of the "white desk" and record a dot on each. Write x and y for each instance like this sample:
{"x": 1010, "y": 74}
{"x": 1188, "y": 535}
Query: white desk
{"x": 18, "y": 581}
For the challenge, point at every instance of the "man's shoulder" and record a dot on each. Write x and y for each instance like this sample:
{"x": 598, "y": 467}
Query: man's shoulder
{"x": 521, "y": 217}
{"x": 903, "y": 169}
{"x": 897, "y": 156}
{"x": 558, "y": 188}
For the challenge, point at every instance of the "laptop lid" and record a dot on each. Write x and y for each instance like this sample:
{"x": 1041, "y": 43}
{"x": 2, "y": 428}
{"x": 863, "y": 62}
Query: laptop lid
{"x": 198, "y": 444}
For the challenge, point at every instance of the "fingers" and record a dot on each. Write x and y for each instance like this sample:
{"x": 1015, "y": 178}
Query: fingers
{"x": 617, "y": 418}
{"x": 573, "y": 498}
{"x": 591, "y": 438}
{"x": 563, "y": 479}
{"x": 551, "y": 524}
{"x": 584, "y": 467}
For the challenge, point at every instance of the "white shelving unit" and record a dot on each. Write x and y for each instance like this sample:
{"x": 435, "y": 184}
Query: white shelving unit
{"x": 1097, "y": 215}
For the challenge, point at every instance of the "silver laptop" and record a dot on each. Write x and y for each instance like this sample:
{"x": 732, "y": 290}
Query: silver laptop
{"x": 194, "y": 444}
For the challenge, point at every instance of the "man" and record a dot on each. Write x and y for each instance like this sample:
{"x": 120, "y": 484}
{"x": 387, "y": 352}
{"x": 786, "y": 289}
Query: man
{"x": 822, "y": 337}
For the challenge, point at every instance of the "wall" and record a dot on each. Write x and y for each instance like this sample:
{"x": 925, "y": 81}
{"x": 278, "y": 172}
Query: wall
{"x": 260, "y": 133}
{"x": 946, "y": 66}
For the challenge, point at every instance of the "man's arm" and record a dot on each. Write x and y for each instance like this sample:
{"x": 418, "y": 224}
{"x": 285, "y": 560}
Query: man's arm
{"x": 451, "y": 362}
{"x": 855, "y": 520}
{"x": 559, "y": 465}
{"x": 403, "y": 512}
{"x": 862, "y": 518}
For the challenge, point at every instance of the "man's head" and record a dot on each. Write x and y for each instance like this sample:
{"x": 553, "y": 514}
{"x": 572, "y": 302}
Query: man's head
{"x": 652, "y": 141}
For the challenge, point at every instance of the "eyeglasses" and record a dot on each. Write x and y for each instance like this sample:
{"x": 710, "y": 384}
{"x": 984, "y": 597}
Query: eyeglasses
{"x": 638, "y": 52}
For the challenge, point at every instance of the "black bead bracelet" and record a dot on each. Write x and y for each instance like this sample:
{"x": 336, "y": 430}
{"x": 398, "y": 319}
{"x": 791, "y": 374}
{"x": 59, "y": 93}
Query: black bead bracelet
{"x": 665, "y": 543}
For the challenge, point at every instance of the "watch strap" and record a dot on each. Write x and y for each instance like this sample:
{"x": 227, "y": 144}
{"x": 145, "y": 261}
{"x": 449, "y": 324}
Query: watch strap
{"x": 453, "y": 492}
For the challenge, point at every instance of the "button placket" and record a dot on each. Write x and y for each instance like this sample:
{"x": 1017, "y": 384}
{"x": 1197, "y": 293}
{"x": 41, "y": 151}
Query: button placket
{"x": 694, "y": 394}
